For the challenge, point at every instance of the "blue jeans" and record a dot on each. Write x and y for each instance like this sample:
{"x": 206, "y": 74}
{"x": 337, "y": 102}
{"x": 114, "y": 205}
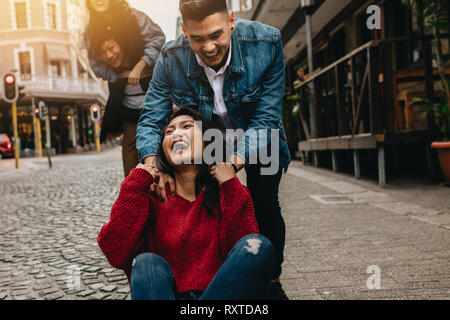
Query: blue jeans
{"x": 245, "y": 275}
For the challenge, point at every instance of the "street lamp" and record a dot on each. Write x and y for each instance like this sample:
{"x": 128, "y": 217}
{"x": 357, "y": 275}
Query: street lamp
{"x": 308, "y": 7}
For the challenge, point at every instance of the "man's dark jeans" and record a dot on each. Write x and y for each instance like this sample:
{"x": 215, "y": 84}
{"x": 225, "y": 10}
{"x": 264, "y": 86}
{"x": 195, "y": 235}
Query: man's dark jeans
{"x": 264, "y": 191}
{"x": 245, "y": 274}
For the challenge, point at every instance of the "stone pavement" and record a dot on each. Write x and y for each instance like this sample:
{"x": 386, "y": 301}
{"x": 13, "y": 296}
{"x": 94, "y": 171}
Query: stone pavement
{"x": 337, "y": 228}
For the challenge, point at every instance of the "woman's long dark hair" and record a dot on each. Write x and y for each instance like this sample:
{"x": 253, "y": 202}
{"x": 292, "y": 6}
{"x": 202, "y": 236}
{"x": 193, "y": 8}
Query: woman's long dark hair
{"x": 117, "y": 22}
{"x": 204, "y": 180}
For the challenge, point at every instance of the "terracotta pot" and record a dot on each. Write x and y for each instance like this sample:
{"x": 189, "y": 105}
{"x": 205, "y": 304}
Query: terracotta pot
{"x": 443, "y": 149}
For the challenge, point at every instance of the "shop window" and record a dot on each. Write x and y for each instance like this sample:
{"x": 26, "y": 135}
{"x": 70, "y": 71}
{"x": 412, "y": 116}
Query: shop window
{"x": 55, "y": 67}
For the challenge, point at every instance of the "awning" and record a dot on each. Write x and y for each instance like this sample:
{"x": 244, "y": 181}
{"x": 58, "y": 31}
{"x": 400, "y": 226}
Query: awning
{"x": 57, "y": 52}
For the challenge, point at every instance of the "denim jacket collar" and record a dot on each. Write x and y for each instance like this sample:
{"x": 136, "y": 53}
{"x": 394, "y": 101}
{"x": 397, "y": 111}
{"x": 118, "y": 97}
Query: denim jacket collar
{"x": 236, "y": 63}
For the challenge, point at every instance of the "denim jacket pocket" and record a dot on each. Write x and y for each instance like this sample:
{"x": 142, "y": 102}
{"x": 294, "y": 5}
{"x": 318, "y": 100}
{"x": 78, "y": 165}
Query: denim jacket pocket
{"x": 181, "y": 99}
{"x": 249, "y": 101}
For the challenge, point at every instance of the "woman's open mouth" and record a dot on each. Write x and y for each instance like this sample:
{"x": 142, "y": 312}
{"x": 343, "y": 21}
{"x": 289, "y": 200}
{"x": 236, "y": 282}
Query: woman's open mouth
{"x": 180, "y": 146}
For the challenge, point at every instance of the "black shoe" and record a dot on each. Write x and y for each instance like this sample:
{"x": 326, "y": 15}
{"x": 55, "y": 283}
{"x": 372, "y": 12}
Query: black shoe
{"x": 277, "y": 292}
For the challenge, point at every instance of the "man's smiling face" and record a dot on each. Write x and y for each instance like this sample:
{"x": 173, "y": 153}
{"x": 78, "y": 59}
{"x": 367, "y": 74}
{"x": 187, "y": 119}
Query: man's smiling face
{"x": 112, "y": 53}
{"x": 210, "y": 38}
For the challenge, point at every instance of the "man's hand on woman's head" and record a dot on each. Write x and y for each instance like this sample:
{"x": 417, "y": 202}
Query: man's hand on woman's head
{"x": 222, "y": 172}
{"x": 159, "y": 187}
{"x": 150, "y": 169}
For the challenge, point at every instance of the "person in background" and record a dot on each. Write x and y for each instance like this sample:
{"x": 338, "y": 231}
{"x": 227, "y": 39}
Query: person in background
{"x": 140, "y": 37}
{"x": 123, "y": 45}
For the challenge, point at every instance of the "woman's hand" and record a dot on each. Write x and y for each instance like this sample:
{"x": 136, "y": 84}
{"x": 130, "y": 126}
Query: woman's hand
{"x": 222, "y": 172}
{"x": 150, "y": 169}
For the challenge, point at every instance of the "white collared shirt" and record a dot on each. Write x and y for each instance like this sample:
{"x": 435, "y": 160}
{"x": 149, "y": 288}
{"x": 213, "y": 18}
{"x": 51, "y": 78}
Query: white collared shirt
{"x": 216, "y": 80}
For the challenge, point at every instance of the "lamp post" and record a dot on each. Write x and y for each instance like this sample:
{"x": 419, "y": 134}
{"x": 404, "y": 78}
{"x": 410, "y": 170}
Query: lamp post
{"x": 308, "y": 7}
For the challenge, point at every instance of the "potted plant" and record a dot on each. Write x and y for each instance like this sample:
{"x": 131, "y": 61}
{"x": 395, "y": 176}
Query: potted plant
{"x": 435, "y": 15}
{"x": 442, "y": 114}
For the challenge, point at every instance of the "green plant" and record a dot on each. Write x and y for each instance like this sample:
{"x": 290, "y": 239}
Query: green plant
{"x": 434, "y": 14}
{"x": 441, "y": 112}
{"x": 296, "y": 98}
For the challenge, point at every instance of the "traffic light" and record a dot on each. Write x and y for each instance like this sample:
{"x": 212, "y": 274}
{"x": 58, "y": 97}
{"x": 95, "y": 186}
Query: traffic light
{"x": 43, "y": 110}
{"x": 95, "y": 113}
{"x": 37, "y": 112}
{"x": 10, "y": 90}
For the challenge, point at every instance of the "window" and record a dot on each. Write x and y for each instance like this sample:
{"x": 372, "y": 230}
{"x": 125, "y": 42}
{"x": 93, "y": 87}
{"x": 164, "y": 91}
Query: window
{"x": 21, "y": 15}
{"x": 25, "y": 65}
{"x": 51, "y": 15}
{"x": 55, "y": 67}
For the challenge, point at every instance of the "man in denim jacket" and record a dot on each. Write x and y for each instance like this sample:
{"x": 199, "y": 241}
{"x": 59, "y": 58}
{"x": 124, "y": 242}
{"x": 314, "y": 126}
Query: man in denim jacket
{"x": 233, "y": 73}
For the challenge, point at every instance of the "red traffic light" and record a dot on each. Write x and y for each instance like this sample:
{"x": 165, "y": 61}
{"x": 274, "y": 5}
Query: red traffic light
{"x": 94, "y": 109}
{"x": 10, "y": 79}
{"x": 36, "y": 110}
{"x": 10, "y": 90}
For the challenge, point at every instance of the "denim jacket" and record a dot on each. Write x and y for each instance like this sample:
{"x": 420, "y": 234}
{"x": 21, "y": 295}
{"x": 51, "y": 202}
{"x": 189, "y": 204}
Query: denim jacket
{"x": 253, "y": 89}
{"x": 153, "y": 38}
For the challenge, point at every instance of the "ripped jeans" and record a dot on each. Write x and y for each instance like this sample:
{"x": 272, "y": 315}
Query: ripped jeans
{"x": 245, "y": 275}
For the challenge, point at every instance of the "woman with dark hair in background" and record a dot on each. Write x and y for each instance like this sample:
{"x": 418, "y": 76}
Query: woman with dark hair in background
{"x": 123, "y": 45}
{"x": 203, "y": 243}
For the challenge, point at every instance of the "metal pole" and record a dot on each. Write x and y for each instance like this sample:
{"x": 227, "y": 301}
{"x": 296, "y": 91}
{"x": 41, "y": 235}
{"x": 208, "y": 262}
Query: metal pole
{"x": 312, "y": 104}
{"x": 97, "y": 135}
{"x": 48, "y": 142}
{"x": 16, "y": 135}
{"x": 37, "y": 129}
{"x": 73, "y": 129}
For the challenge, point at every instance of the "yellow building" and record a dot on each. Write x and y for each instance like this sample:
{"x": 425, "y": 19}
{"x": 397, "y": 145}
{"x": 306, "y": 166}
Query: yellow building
{"x": 40, "y": 43}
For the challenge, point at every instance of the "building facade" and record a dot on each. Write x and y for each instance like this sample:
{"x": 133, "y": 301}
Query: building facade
{"x": 353, "y": 111}
{"x": 40, "y": 44}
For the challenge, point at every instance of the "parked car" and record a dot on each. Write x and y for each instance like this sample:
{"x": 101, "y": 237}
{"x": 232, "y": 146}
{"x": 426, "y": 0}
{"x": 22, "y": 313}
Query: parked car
{"x": 6, "y": 148}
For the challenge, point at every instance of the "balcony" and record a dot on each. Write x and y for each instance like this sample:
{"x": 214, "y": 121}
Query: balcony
{"x": 63, "y": 89}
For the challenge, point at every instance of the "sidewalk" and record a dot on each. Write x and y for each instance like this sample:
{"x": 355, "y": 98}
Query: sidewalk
{"x": 338, "y": 227}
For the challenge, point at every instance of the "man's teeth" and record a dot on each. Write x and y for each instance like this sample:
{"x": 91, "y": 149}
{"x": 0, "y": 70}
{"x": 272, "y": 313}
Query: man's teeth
{"x": 212, "y": 54}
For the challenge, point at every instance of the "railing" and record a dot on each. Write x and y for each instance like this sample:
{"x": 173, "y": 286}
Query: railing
{"x": 346, "y": 95}
{"x": 357, "y": 93}
{"x": 65, "y": 86}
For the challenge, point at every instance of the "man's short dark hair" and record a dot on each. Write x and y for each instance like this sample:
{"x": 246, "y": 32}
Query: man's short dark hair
{"x": 200, "y": 9}
{"x": 98, "y": 39}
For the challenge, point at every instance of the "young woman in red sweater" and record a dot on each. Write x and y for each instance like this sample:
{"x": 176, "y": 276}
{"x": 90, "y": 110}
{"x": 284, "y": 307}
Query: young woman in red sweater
{"x": 204, "y": 242}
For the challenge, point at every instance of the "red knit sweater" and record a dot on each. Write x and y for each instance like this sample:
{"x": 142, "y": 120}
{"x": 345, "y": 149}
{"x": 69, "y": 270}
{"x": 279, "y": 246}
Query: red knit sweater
{"x": 193, "y": 243}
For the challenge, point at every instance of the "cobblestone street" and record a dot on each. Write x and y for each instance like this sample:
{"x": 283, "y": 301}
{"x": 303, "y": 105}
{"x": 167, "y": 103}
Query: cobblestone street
{"x": 49, "y": 225}
{"x": 337, "y": 227}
